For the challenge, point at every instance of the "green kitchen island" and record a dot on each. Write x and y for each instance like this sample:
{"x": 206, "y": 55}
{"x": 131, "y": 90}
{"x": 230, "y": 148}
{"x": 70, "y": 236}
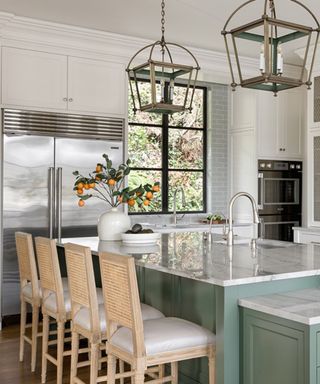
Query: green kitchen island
{"x": 188, "y": 276}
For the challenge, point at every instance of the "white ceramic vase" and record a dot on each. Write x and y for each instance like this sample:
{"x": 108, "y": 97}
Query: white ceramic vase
{"x": 111, "y": 224}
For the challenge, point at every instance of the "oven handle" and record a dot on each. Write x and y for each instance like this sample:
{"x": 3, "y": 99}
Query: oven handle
{"x": 261, "y": 186}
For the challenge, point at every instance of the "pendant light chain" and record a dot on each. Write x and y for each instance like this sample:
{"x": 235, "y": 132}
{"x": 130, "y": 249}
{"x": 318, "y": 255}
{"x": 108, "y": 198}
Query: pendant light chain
{"x": 162, "y": 28}
{"x": 162, "y": 21}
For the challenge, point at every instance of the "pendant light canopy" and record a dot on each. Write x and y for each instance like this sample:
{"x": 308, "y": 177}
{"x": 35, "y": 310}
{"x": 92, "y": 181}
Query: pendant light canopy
{"x": 272, "y": 39}
{"x": 153, "y": 69}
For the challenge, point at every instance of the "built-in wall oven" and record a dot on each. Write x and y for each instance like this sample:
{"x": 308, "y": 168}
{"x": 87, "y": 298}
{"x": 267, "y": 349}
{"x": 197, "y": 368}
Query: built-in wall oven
{"x": 279, "y": 198}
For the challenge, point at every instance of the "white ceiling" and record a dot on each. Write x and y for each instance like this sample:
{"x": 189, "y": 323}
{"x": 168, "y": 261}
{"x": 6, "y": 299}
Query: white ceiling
{"x": 196, "y": 23}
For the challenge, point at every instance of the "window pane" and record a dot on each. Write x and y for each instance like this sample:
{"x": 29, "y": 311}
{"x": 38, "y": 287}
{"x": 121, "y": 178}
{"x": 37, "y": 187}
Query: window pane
{"x": 185, "y": 149}
{"x": 144, "y": 146}
{"x": 143, "y": 177}
{"x": 194, "y": 119}
{"x": 142, "y": 117}
{"x": 192, "y": 184}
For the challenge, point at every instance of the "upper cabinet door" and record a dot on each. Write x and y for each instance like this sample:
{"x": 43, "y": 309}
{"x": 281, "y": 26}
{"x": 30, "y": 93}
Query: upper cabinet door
{"x": 34, "y": 79}
{"x": 96, "y": 86}
{"x": 267, "y": 125}
{"x": 291, "y": 119}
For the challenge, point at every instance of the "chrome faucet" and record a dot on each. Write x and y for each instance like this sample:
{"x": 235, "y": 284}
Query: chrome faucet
{"x": 175, "y": 202}
{"x": 254, "y": 212}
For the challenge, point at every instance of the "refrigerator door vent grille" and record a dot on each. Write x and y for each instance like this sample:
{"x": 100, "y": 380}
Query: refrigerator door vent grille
{"x": 62, "y": 125}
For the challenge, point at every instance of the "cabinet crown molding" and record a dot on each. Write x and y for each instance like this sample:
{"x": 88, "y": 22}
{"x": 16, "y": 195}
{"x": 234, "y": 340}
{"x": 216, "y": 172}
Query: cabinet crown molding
{"x": 37, "y": 34}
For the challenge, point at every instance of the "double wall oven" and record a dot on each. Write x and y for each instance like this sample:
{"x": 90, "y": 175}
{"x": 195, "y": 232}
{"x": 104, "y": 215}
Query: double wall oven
{"x": 279, "y": 198}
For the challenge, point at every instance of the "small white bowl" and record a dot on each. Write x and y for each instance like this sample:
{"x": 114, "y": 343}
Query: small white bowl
{"x": 140, "y": 238}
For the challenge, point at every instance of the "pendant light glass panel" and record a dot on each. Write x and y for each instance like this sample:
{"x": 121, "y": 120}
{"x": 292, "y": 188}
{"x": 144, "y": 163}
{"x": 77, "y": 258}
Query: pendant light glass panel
{"x": 156, "y": 65}
{"x": 274, "y": 41}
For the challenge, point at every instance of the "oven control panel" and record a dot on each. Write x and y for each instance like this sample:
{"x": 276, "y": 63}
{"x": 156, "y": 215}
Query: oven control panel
{"x": 278, "y": 165}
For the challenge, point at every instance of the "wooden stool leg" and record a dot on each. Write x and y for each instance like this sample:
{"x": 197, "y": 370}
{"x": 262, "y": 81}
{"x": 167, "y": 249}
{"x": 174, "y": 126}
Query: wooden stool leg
{"x": 60, "y": 349}
{"x": 94, "y": 363}
{"x": 74, "y": 356}
{"x": 174, "y": 372}
{"x": 35, "y": 328}
{"x": 139, "y": 371}
{"x": 212, "y": 369}
{"x": 111, "y": 369}
{"x": 161, "y": 371}
{"x": 121, "y": 370}
{"x": 23, "y": 321}
{"x": 45, "y": 339}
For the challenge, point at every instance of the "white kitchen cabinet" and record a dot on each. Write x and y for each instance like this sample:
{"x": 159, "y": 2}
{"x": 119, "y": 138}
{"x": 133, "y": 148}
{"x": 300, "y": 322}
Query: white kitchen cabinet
{"x": 50, "y": 81}
{"x": 280, "y": 124}
{"x": 33, "y": 79}
{"x": 96, "y": 86}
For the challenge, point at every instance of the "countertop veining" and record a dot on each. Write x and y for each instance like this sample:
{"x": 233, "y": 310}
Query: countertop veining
{"x": 302, "y": 306}
{"x": 189, "y": 255}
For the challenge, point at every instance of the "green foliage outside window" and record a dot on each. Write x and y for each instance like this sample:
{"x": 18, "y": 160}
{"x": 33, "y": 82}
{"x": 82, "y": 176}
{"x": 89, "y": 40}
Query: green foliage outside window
{"x": 184, "y": 148}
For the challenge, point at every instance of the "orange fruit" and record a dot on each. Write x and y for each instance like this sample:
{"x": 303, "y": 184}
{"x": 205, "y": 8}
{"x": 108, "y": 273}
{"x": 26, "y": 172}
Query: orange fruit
{"x": 86, "y": 186}
{"x": 81, "y": 203}
{"x": 92, "y": 185}
{"x": 80, "y": 191}
{"x": 98, "y": 168}
{"x": 98, "y": 178}
{"x": 131, "y": 202}
{"x": 80, "y": 185}
{"x": 149, "y": 195}
{"x": 119, "y": 198}
{"x": 146, "y": 202}
{"x": 111, "y": 182}
{"x": 156, "y": 188}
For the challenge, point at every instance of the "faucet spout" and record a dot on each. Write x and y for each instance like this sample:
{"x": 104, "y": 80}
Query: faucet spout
{"x": 254, "y": 214}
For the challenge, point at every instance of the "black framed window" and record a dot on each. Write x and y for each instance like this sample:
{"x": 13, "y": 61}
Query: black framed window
{"x": 170, "y": 149}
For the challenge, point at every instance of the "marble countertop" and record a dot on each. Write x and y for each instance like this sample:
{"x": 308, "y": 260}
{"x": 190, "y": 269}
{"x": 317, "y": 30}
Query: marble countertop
{"x": 302, "y": 306}
{"x": 188, "y": 254}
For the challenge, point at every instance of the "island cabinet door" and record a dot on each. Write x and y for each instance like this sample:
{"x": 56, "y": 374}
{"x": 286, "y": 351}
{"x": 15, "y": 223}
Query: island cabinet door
{"x": 274, "y": 350}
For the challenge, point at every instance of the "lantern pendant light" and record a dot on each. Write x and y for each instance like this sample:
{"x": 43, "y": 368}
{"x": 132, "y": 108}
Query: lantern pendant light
{"x": 153, "y": 75}
{"x": 272, "y": 36}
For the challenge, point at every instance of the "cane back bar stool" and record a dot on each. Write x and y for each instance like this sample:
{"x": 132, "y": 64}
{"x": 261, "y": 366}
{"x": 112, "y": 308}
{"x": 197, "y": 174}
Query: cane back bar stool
{"x": 55, "y": 303}
{"x": 88, "y": 316}
{"x": 29, "y": 293}
{"x": 146, "y": 343}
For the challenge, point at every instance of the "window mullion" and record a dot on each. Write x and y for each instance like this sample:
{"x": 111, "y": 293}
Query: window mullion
{"x": 165, "y": 158}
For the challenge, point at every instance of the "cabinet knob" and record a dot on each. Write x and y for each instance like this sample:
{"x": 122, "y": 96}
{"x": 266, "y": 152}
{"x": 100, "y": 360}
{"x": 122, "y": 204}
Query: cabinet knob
{"x": 71, "y": 99}
{"x": 65, "y": 99}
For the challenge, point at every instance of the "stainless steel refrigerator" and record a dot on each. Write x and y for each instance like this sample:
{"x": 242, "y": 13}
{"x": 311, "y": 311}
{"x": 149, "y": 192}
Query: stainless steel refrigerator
{"x": 40, "y": 152}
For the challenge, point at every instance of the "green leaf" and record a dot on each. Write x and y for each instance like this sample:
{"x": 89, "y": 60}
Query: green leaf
{"x": 75, "y": 173}
{"x": 128, "y": 162}
{"x": 84, "y": 197}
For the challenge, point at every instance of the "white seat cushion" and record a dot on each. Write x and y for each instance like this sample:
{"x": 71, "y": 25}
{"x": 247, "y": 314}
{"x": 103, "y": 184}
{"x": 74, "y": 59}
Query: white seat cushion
{"x": 50, "y": 303}
{"x": 27, "y": 290}
{"x": 165, "y": 335}
{"x": 82, "y": 317}
{"x": 150, "y": 313}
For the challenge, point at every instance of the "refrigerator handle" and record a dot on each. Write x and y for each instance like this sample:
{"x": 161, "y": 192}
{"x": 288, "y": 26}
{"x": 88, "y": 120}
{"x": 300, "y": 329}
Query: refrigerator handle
{"x": 59, "y": 202}
{"x": 51, "y": 200}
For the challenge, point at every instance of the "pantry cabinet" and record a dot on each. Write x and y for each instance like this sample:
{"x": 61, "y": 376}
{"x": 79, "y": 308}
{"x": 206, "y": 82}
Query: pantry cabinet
{"x": 52, "y": 81}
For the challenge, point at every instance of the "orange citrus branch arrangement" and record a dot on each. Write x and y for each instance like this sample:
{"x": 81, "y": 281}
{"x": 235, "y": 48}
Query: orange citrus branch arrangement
{"x": 108, "y": 184}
